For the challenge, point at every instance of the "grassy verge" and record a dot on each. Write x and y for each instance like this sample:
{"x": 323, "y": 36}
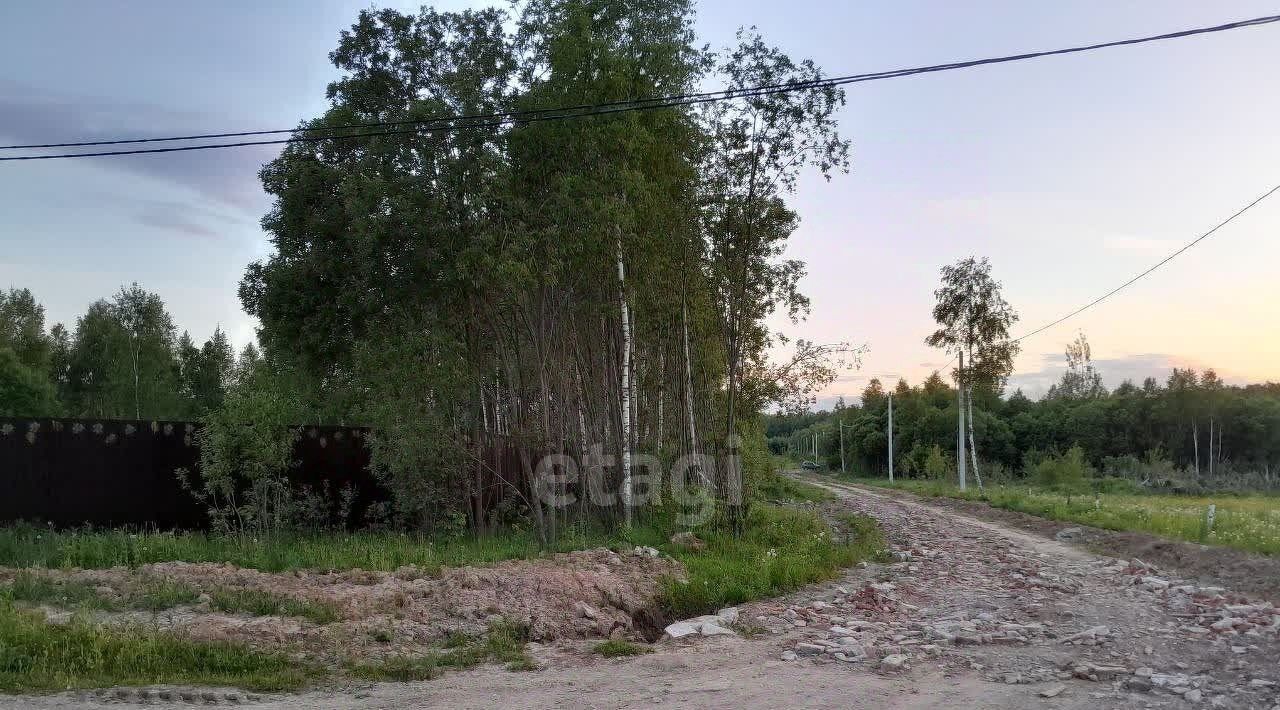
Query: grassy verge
{"x": 29, "y": 546}
{"x": 781, "y": 550}
{"x": 781, "y": 488}
{"x": 151, "y": 595}
{"x": 38, "y": 656}
{"x": 259, "y": 602}
{"x": 1250, "y": 523}
{"x": 504, "y": 643}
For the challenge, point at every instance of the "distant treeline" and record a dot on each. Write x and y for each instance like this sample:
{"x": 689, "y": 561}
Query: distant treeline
{"x": 122, "y": 359}
{"x": 1191, "y": 425}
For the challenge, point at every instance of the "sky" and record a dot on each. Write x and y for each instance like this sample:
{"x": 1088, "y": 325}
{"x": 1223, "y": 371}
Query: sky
{"x": 1072, "y": 174}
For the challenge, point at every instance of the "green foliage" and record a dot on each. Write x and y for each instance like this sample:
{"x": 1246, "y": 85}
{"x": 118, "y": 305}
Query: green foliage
{"x": 35, "y": 588}
{"x": 620, "y": 648}
{"x": 38, "y": 656}
{"x": 259, "y": 602}
{"x": 123, "y": 361}
{"x": 779, "y": 488}
{"x": 414, "y": 449}
{"x": 246, "y": 448}
{"x": 781, "y": 549}
{"x": 24, "y": 546}
{"x": 23, "y": 391}
{"x": 22, "y": 330}
{"x": 935, "y": 465}
{"x": 974, "y": 319}
{"x": 161, "y": 594}
{"x": 1144, "y": 434}
{"x": 1064, "y": 472}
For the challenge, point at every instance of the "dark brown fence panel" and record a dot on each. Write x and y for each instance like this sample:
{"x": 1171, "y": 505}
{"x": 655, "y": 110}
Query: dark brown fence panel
{"x": 117, "y": 472}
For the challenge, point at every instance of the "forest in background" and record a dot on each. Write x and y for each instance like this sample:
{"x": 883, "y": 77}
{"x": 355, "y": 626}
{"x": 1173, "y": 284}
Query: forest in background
{"x": 1190, "y": 431}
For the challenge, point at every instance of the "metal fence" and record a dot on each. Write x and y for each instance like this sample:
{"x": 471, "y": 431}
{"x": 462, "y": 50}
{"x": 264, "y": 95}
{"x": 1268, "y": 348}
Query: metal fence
{"x": 108, "y": 472}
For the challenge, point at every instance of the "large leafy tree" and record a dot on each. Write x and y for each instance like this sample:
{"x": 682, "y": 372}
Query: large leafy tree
{"x": 757, "y": 146}
{"x": 24, "y": 391}
{"x": 122, "y": 360}
{"x": 556, "y": 285}
{"x": 1081, "y": 380}
{"x": 974, "y": 320}
{"x": 22, "y": 329}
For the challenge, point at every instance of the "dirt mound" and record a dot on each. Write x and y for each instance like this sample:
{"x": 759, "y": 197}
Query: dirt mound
{"x": 592, "y": 593}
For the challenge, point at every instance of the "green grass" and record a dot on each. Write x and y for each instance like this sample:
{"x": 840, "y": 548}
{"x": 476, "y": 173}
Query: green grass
{"x": 503, "y": 643}
{"x": 259, "y": 602}
{"x": 781, "y": 488}
{"x": 620, "y": 648}
{"x": 160, "y": 594}
{"x": 38, "y": 656}
{"x": 34, "y": 588}
{"x": 1250, "y": 523}
{"x": 29, "y": 546}
{"x": 781, "y": 550}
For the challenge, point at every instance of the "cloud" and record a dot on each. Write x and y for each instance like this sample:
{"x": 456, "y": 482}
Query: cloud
{"x": 172, "y": 222}
{"x": 1114, "y": 371}
{"x": 228, "y": 176}
{"x": 186, "y": 218}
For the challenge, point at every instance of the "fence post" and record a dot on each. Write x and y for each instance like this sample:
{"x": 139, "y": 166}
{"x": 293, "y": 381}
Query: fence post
{"x": 1209, "y": 518}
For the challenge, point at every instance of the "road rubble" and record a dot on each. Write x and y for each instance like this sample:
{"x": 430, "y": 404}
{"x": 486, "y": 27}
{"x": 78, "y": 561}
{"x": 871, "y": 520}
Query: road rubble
{"x": 964, "y": 595}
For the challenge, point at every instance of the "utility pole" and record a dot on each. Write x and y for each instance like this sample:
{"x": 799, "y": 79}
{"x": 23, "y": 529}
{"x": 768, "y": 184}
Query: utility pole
{"x": 890, "y": 437}
{"x": 841, "y": 423}
{"x": 960, "y": 429}
{"x": 815, "y": 447}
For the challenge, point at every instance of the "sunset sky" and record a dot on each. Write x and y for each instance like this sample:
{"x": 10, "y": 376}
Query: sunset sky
{"x": 1071, "y": 174}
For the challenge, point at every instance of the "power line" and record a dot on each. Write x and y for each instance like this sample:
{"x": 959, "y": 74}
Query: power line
{"x": 1158, "y": 264}
{"x": 511, "y": 117}
{"x": 1131, "y": 281}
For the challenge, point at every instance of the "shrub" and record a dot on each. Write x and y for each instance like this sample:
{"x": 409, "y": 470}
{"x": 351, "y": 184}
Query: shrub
{"x": 936, "y": 466}
{"x": 245, "y": 449}
{"x": 1065, "y": 472}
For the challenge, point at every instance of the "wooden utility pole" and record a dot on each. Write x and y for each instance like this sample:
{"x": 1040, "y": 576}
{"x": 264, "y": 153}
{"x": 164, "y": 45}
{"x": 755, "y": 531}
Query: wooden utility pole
{"x": 890, "y": 437}
{"x": 960, "y": 425}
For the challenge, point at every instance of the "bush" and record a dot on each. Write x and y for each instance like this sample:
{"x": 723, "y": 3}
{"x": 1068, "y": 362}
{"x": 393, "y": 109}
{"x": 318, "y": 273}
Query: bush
{"x": 936, "y": 466}
{"x": 246, "y": 447}
{"x": 1066, "y": 472}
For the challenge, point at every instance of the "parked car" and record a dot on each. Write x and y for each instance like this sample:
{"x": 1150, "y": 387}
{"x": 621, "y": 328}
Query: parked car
{"x": 810, "y": 466}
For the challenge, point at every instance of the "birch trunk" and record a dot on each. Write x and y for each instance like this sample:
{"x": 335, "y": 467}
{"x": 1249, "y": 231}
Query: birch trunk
{"x": 1211, "y": 447}
{"x": 625, "y": 404}
{"x": 1195, "y": 445}
{"x": 973, "y": 448}
{"x": 662, "y": 377}
{"x": 688, "y": 390}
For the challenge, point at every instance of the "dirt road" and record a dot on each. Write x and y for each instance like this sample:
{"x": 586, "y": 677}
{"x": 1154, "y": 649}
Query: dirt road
{"x": 971, "y": 614}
